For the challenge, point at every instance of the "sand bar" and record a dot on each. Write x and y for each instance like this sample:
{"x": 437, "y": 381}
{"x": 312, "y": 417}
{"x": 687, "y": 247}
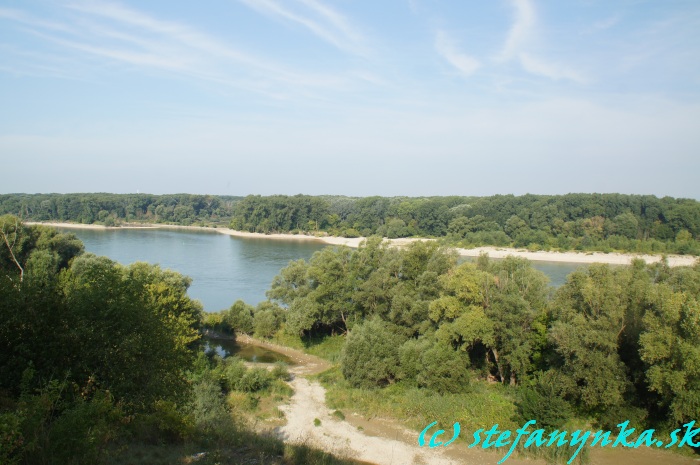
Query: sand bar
{"x": 612, "y": 258}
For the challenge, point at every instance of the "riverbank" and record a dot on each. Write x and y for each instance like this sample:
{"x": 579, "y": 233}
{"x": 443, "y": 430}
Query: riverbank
{"x": 612, "y": 258}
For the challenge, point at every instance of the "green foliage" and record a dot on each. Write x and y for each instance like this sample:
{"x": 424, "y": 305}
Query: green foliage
{"x": 632, "y": 223}
{"x": 110, "y": 209}
{"x": 542, "y": 401}
{"x": 208, "y": 408}
{"x": 280, "y": 372}
{"x": 371, "y": 354}
{"x": 254, "y": 379}
{"x": 670, "y": 346}
{"x": 11, "y": 438}
{"x": 417, "y": 407}
{"x": 444, "y": 370}
{"x": 267, "y": 319}
{"x": 80, "y": 434}
{"x": 589, "y": 316}
{"x": 165, "y": 423}
{"x": 411, "y": 357}
{"x": 240, "y": 317}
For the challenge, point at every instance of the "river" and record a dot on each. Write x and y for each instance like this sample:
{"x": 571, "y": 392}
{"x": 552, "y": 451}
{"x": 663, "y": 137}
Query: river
{"x": 224, "y": 268}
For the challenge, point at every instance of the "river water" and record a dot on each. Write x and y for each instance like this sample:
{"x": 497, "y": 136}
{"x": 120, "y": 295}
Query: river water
{"x": 223, "y": 268}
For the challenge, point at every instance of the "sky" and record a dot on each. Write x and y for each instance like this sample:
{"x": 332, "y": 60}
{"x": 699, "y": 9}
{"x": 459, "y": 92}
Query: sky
{"x": 350, "y": 97}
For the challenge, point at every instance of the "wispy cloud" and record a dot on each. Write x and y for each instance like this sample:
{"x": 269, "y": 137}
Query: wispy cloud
{"x": 328, "y": 24}
{"x": 521, "y": 30}
{"x": 519, "y": 44}
{"x": 125, "y": 35}
{"x": 24, "y": 18}
{"x": 448, "y": 49}
{"x": 536, "y": 66}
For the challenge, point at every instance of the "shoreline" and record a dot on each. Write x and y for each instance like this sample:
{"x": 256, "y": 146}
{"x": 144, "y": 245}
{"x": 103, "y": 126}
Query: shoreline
{"x": 613, "y": 258}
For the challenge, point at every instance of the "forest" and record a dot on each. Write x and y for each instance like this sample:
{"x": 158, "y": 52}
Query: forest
{"x": 417, "y": 336}
{"x": 103, "y": 364}
{"x": 113, "y": 209}
{"x": 100, "y": 362}
{"x": 601, "y": 222}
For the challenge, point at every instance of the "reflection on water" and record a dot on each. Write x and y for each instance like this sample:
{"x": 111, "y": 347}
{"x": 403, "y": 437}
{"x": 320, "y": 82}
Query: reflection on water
{"x": 248, "y": 352}
{"x": 223, "y": 268}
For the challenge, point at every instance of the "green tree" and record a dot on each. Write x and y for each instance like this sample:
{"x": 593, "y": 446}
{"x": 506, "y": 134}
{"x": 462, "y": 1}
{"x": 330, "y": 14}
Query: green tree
{"x": 670, "y": 346}
{"x": 370, "y": 357}
{"x": 588, "y": 315}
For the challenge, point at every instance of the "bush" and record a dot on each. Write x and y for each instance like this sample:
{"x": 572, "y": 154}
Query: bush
{"x": 543, "y": 402}
{"x": 281, "y": 372}
{"x": 410, "y": 354}
{"x": 80, "y": 434}
{"x": 370, "y": 357}
{"x": 166, "y": 424}
{"x": 11, "y": 438}
{"x": 232, "y": 371}
{"x": 240, "y": 317}
{"x": 254, "y": 379}
{"x": 444, "y": 370}
{"x": 208, "y": 407}
{"x": 267, "y": 319}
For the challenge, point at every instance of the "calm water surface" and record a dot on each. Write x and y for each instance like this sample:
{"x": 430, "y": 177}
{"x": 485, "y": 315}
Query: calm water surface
{"x": 248, "y": 352}
{"x": 224, "y": 268}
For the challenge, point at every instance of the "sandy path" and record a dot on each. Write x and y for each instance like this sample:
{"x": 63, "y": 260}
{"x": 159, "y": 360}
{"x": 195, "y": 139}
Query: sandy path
{"x": 493, "y": 252}
{"x": 341, "y": 438}
{"x": 387, "y": 442}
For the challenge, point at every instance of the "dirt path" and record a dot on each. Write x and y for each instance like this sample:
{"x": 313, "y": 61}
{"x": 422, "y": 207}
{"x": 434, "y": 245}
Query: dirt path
{"x": 386, "y": 442}
{"x": 340, "y": 437}
{"x": 377, "y": 441}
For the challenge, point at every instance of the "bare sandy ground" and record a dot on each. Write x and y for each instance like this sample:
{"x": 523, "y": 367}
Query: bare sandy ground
{"x": 493, "y": 252}
{"x": 576, "y": 257}
{"x": 340, "y": 437}
{"x": 386, "y": 442}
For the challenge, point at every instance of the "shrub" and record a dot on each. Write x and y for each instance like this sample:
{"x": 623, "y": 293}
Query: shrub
{"x": 281, "y": 372}
{"x": 370, "y": 357}
{"x": 543, "y": 402}
{"x": 444, "y": 370}
{"x": 254, "y": 379}
{"x": 11, "y": 438}
{"x": 240, "y": 317}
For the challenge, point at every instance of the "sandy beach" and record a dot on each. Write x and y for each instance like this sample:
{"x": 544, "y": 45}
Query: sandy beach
{"x": 612, "y": 258}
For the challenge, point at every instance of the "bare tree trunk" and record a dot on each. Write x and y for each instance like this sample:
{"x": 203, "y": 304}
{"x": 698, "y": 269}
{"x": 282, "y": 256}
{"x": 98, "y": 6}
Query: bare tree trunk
{"x": 345, "y": 323}
{"x": 489, "y": 377}
{"x": 5, "y": 238}
{"x": 498, "y": 364}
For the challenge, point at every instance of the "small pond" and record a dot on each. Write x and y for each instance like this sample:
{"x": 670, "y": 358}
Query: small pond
{"x": 248, "y": 352}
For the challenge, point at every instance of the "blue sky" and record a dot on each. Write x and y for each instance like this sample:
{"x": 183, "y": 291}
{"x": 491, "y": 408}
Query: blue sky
{"x": 355, "y": 97}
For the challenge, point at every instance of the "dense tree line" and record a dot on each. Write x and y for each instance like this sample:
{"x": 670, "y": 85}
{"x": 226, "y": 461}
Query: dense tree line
{"x": 574, "y": 221}
{"x": 111, "y": 209}
{"x": 611, "y": 344}
{"x": 606, "y": 222}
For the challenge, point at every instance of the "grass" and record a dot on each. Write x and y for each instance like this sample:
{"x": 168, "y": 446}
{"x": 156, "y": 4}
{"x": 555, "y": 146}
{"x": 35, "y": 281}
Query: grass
{"x": 245, "y": 448}
{"x": 483, "y": 406}
{"x": 328, "y": 347}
